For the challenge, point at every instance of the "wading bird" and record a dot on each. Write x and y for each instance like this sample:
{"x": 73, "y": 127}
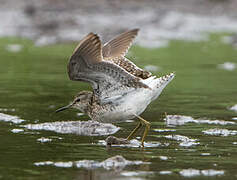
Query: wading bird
{"x": 121, "y": 90}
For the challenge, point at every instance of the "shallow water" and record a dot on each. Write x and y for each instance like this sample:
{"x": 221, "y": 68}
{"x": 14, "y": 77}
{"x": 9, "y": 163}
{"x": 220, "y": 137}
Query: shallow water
{"x": 199, "y": 143}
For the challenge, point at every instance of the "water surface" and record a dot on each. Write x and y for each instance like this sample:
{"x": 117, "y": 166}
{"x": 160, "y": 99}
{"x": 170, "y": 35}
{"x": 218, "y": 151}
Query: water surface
{"x": 34, "y": 82}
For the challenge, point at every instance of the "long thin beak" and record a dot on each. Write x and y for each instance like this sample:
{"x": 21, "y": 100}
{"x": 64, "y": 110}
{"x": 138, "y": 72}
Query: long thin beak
{"x": 63, "y": 108}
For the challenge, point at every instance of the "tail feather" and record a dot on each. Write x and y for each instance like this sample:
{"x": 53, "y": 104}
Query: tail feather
{"x": 158, "y": 84}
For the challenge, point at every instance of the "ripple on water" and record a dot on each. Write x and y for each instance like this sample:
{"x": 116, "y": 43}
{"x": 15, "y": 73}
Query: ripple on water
{"x": 10, "y": 118}
{"x": 7, "y": 109}
{"x": 87, "y": 128}
{"x": 115, "y": 162}
{"x": 176, "y": 120}
{"x": 195, "y": 172}
{"x": 220, "y": 132}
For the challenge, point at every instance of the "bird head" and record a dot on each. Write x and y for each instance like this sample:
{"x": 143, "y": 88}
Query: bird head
{"x": 81, "y": 101}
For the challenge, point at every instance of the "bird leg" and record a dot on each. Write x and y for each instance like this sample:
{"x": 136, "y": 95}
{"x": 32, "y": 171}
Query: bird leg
{"x": 134, "y": 130}
{"x": 147, "y": 128}
{"x": 141, "y": 122}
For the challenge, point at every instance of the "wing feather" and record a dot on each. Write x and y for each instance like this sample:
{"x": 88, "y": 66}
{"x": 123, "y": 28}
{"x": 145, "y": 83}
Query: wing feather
{"x": 119, "y": 46}
{"x": 116, "y": 49}
{"x": 107, "y": 78}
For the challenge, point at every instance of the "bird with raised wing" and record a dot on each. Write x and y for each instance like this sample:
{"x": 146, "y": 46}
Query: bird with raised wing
{"x": 121, "y": 90}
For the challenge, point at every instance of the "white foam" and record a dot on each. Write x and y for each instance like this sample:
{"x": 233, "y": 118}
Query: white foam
{"x": 185, "y": 141}
{"x": 234, "y": 108}
{"x": 220, "y": 132}
{"x": 229, "y": 66}
{"x": 136, "y": 173}
{"x": 14, "y": 48}
{"x": 136, "y": 143}
{"x": 164, "y": 158}
{"x": 17, "y": 130}
{"x": 10, "y": 118}
{"x": 165, "y": 172}
{"x": 87, "y": 128}
{"x": 195, "y": 172}
{"x": 176, "y": 120}
{"x": 114, "y": 162}
{"x": 43, "y": 139}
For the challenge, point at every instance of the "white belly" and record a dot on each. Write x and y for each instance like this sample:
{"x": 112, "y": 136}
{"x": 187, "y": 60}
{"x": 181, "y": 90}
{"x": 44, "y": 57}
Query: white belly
{"x": 128, "y": 106}
{"x": 136, "y": 101}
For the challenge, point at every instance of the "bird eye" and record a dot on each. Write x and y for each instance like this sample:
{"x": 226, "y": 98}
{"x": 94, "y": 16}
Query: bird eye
{"x": 78, "y": 100}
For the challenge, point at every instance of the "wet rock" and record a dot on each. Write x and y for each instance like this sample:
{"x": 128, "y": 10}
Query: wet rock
{"x": 177, "y": 120}
{"x": 10, "y": 118}
{"x": 87, "y": 128}
{"x": 220, "y": 132}
{"x": 34, "y": 20}
{"x": 30, "y": 10}
{"x": 115, "y": 162}
{"x": 112, "y": 140}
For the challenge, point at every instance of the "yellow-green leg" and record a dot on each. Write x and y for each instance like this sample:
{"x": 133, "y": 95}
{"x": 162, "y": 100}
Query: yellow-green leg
{"x": 134, "y": 130}
{"x": 147, "y": 128}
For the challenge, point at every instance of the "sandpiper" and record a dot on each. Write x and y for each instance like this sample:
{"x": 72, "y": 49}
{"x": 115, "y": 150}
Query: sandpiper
{"x": 121, "y": 90}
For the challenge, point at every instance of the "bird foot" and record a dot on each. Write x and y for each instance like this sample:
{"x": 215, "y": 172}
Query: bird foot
{"x": 112, "y": 140}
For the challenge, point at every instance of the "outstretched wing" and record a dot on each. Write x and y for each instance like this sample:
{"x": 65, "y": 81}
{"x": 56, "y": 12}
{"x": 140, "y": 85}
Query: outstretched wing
{"x": 116, "y": 49}
{"x": 107, "y": 78}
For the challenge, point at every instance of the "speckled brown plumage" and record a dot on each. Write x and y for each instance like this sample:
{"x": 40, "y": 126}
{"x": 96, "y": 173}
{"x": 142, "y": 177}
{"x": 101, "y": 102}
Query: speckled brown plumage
{"x": 131, "y": 67}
